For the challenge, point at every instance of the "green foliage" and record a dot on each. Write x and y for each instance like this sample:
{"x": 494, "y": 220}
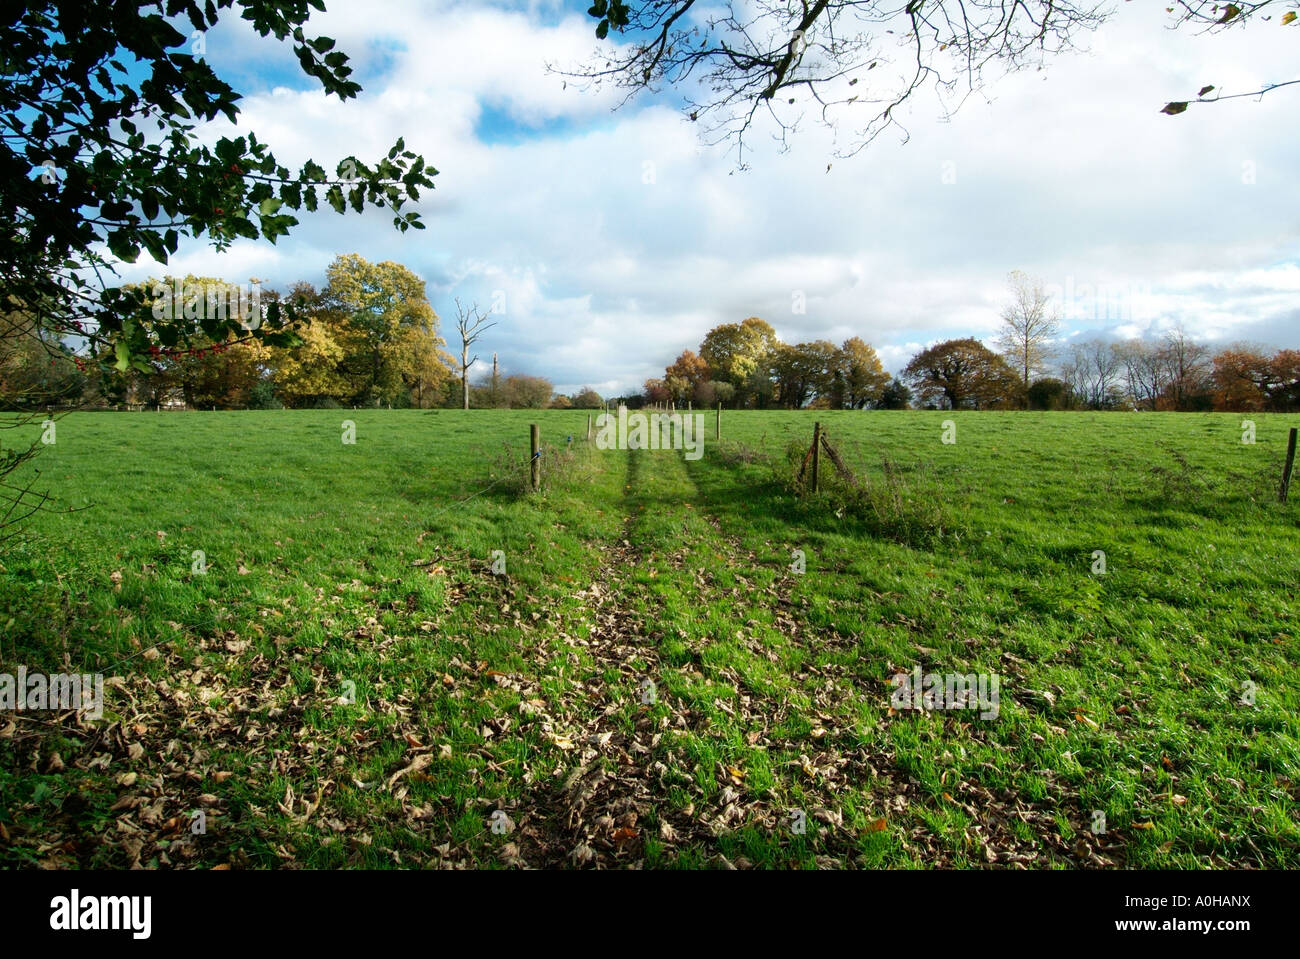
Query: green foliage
{"x": 381, "y": 320}
{"x": 860, "y": 377}
{"x": 262, "y": 396}
{"x": 36, "y": 370}
{"x": 609, "y": 13}
{"x": 746, "y": 364}
{"x": 587, "y": 399}
{"x": 1048, "y": 393}
{"x": 963, "y": 374}
{"x": 98, "y": 158}
{"x": 895, "y": 396}
{"x": 737, "y": 353}
{"x": 802, "y": 371}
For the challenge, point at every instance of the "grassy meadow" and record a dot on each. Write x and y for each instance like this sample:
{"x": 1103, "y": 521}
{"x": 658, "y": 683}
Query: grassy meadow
{"x": 306, "y": 641}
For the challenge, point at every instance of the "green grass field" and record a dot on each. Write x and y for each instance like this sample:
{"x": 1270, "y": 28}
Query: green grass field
{"x": 651, "y": 682}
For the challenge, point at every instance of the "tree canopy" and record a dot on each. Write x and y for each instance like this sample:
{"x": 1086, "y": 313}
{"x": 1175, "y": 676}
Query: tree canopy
{"x": 963, "y": 374}
{"x": 748, "y": 365}
{"x": 389, "y": 332}
{"x": 101, "y": 161}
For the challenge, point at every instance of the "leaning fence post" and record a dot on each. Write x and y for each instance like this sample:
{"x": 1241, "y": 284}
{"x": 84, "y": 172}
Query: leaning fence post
{"x": 536, "y": 456}
{"x": 1286, "y": 470}
{"x": 717, "y": 430}
{"x": 817, "y": 453}
{"x": 588, "y": 427}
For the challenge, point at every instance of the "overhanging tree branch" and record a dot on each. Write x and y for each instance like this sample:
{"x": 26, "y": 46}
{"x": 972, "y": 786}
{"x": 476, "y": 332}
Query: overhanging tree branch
{"x": 873, "y": 56}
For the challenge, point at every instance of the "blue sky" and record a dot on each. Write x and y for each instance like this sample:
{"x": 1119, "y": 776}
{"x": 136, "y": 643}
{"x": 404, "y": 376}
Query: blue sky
{"x": 615, "y": 239}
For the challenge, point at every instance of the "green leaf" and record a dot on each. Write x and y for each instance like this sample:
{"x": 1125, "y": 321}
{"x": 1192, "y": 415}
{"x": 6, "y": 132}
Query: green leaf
{"x": 154, "y": 244}
{"x": 120, "y": 245}
{"x": 268, "y": 206}
{"x": 243, "y": 227}
{"x": 1175, "y": 108}
{"x": 123, "y": 356}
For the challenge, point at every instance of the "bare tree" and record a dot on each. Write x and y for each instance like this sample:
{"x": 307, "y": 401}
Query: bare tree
{"x": 1029, "y": 323}
{"x": 1092, "y": 370}
{"x": 1145, "y": 371}
{"x": 1169, "y": 373}
{"x": 471, "y": 323}
{"x": 1188, "y": 367}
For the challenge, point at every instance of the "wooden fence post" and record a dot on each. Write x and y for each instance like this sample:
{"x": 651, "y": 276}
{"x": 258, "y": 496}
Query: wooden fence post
{"x": 588, "y": 427}
{"x": 536, "y": 456}
{"x": 817, "y": 453}
{"x": 1286, "y": 470}
{"x": 717, "y": 430}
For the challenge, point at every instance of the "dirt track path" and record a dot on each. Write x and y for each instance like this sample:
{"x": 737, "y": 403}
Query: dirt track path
{"x": 702, "y": 727}
{"x": 638, "y": 726}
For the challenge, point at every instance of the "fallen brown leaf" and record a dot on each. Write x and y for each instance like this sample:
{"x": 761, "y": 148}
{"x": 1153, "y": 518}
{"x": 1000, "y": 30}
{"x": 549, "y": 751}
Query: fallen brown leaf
{"x": 418, "y": 763}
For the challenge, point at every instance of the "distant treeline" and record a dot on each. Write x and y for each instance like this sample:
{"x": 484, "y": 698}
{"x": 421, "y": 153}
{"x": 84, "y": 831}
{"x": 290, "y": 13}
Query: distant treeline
{"x": 745, "y": 365}
{"x": 370, "y": 339}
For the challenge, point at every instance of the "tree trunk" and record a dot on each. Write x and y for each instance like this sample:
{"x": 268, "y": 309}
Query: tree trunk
{"x": 464, "y": 374}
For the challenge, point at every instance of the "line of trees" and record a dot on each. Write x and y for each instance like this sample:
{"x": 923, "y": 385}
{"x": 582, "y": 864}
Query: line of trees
{"x": 1176, "y": 373}
{"x": 1173, "y": 372}
{"x": 369, "y": 338}
{"x": 520, "y": 392}
{"x": 745, "y": 365}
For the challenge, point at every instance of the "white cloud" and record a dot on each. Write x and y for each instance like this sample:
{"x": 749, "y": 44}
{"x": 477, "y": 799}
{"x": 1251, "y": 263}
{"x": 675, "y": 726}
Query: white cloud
{"x": 1071, "y": 175}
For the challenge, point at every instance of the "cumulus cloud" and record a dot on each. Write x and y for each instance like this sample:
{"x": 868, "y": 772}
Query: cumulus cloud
{"x": 612, "y": 240}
